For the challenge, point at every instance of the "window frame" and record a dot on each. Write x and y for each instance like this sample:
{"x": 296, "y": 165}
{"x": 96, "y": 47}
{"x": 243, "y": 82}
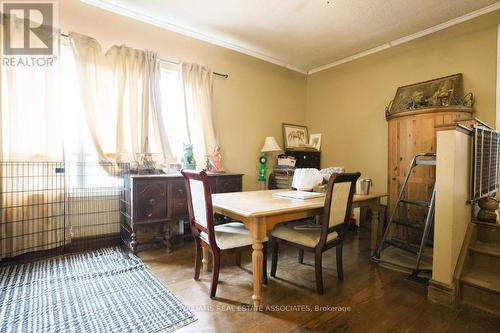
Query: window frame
{"x": 175, "y": 67}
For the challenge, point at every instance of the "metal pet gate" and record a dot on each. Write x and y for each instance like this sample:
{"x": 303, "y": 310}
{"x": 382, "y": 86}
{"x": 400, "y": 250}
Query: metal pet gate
{"x": 51, "y": 208}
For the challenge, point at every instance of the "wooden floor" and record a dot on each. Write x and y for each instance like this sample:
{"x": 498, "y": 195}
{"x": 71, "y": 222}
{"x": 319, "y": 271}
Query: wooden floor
{"x": 370, "y": 299}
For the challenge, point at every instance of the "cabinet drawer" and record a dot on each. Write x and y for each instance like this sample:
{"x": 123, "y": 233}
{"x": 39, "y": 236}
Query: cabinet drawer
{"x": 177, "y": 199}
{"x": 178, "y": 208}
{"x": 150, "y": 200}
{"x": 213, "y": 184}
{"x": 229, "y": 184}
{"x": 177, "y": 189}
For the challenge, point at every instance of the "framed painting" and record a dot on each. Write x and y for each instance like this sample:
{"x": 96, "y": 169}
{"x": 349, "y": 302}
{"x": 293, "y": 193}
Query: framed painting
{"x": 294, "y": 135}
{"x": 315, "y": 141}
{"x": 441, "y": 92}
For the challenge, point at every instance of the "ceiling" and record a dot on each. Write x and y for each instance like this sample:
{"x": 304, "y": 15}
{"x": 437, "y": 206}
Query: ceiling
{"x": 304, "y": 35}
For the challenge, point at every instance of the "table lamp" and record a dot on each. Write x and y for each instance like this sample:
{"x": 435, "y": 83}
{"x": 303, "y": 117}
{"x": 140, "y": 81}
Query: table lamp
{"x": 270, "y": 145}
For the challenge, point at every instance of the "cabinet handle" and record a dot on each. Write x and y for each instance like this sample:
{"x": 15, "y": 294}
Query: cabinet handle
{"x": 180, "y": 190}
{"x": 152, "y": 202}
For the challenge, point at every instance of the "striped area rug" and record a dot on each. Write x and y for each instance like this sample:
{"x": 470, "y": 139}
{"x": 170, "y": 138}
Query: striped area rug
{"x": 107, "y": 290}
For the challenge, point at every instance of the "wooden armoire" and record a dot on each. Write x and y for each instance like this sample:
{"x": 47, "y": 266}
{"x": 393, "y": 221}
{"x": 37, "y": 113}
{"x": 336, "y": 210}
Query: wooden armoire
{"x": 410, "y": 133}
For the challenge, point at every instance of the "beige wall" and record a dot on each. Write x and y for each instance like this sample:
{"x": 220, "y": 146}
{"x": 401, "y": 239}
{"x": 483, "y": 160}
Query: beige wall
{"x": 250, "y": 105}
{"x": 346, "y": 103}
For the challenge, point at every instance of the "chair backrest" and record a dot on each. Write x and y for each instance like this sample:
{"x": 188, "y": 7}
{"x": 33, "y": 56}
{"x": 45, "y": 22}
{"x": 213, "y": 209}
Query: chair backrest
{"x": 338, "y": 203}
{"x": 199, "y": 198}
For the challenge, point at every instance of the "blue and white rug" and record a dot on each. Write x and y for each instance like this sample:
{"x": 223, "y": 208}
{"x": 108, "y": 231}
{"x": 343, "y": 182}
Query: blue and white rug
{"x": 107, "y": 290}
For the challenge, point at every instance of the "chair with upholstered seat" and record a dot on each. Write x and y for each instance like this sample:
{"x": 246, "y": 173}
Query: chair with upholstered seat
{"x": 217, "y": 239}
{"x": 325, "y": 235}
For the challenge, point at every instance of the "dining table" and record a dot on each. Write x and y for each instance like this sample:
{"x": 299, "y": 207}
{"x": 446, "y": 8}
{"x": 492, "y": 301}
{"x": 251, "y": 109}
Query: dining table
{"x": 260, "y": 211}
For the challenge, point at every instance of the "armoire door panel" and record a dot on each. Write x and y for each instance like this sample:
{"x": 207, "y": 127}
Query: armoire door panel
{"x": 412, "y": 133}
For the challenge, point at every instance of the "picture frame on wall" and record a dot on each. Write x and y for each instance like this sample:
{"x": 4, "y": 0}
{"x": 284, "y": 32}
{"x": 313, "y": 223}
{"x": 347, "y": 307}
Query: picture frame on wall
{"x": 294, "y": 136}
{"x": 315, "y": 141}
{"x": 441, "y": 92}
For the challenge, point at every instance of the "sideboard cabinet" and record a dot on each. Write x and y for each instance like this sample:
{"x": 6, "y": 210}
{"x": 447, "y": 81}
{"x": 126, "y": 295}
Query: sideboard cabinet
{"x": 151, "y": 204}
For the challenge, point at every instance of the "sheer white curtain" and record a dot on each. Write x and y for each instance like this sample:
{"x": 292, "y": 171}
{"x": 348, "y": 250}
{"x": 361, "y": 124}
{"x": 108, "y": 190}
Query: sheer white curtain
{"x": 198, "y": 96}
{"x": 29, "y": 109}
{"x": 119, "y": 91}
{"x": 30, "y": 213}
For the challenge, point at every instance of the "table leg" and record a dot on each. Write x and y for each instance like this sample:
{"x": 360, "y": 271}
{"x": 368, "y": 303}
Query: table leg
{"x": 206, "y": 259}
{"x": 257, "y": 258}
{"x": 375, "y": 226}
{"x": 258, "y": 231}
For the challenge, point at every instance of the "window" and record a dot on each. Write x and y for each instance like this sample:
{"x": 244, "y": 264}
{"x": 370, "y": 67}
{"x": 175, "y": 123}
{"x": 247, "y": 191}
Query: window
{"x": 174, "y": 114}
{"x": 78, "y": 145}
{"x": 77, "y": 140}
{"x": 82, "y": 168}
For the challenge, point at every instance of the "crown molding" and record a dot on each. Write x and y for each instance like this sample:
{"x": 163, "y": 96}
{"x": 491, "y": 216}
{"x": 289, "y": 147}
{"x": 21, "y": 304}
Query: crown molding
{"x": 425, "y": 32}
{"x": 106, "y": 5}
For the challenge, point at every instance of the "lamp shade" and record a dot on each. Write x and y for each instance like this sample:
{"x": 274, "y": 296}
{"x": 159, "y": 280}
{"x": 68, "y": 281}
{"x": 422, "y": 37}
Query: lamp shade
{"x": 270, "y": 145}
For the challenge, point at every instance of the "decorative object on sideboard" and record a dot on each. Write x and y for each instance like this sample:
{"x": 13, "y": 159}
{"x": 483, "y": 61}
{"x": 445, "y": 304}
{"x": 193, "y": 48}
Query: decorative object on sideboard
{"x": 315, "y": 141}
{"x": 488, "y": 209}
{"x": 145, "y": 161}
{"x": 216, "y": 161}
{"x": 294, "y": 135}
{"x": 270, "y": 146}
{"x": 208, "y": 162}
{"x": 436, "y": 93}
{"x": 174, "y": 167}
{"x": 188, "y": 161}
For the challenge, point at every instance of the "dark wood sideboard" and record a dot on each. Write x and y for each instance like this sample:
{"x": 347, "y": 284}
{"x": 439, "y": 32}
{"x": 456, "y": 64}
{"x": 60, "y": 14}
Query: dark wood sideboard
{"x": 151, "y": 204}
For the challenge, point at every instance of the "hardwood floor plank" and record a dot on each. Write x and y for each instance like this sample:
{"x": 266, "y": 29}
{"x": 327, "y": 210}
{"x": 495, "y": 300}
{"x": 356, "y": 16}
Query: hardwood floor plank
{"x": 377, "y": 299}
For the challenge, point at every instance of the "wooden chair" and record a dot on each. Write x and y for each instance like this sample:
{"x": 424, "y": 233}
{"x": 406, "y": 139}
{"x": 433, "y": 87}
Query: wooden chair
{"x": 229, "y": 237}
{"x": 329, "y": 233}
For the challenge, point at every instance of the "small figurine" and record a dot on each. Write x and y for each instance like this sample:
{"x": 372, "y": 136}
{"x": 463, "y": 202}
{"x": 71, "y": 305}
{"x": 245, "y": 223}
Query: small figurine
{"x": 208, "y": 162}
{"x": 215, "y": 163}
{"x": 188, "y": 161}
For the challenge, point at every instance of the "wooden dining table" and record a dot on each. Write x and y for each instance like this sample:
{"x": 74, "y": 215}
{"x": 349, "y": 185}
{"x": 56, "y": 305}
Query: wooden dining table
{"x": 260, "y": 211}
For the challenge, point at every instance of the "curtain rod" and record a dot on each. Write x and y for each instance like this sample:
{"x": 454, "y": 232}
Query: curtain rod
{"x": 224, "y": 76}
